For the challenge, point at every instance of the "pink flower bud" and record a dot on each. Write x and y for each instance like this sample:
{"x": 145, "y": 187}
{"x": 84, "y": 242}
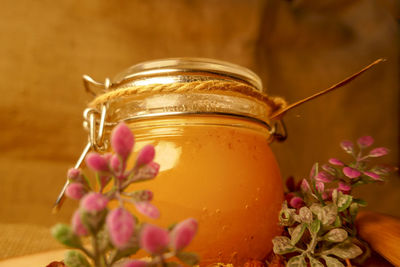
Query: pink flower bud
{"x": 115, "y": 163}
{"x": 351, "y": 173}
{"x": 142, "y": 195}
{"x": 74, "y": 174}
{"x": 104, "y": 180}
{"x": 324, "y": 177}
{"x": 313, "y": 171}
{"x": 147, "y": 209}
{"x": 296, "y": 202}
{"x": 320, "y": 186}
{"x": 336, "y": 162}
{"x": 122, "y": 140}
{"x": 183, "y": 233}
{"x": 77, "y": 226}
{"x": 135, "y": 263}
{"x": 75, "y": 191}
{"x": 97, "y": 162}
{"x": 94, "y": 202}
{"x": 120, "y": 226}
{"x": 374, "y": 176}
{"x": 344, "y": 188}
{"x": 378, "y": 152}
{"x": 328, "y": 168}
{"x": 154, "y": 239}
{"x": 365, "y": 141}
{"x": 347, "y": 146}
{"x": 305, "y": 186}
{"x": 146, "y": 155}
{"x": 148, "y": 171}
{"x": 290, "y": 184}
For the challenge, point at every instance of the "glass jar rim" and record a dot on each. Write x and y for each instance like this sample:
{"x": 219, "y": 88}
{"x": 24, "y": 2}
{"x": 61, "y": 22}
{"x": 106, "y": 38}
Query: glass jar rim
{"x": 188, "y": 64}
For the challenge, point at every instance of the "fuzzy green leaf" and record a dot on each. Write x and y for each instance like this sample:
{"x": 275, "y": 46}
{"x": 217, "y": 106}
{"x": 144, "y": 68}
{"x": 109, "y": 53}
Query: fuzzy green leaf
{"x": 336, "y": 235}
{"x": 360, "y": 202}
{"x": 297, "y": 233}
{"x": 188, "y": 258}
{"x": 345, "y": 250}
{"x": 343, "y": 201}
{"x": 64, "y": 234}
{"x": 332, "y": 262}
{"x": 286, "y": 215}
{"x": 74, "y": 258}
{"x": 314, "y": 262}
{"x": 315, "y": 226}
{"x": 297, "y": 261}
{"x": 353, "y": 209}
{"x": 282, "y": 245}
{"x": 305, "y": 215}
{"x": 327, "y": 214}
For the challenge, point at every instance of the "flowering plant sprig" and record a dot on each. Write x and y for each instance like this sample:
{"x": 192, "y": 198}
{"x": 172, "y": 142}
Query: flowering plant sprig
{"x": 318, "y": 214}
{"x": 116, "y": 234}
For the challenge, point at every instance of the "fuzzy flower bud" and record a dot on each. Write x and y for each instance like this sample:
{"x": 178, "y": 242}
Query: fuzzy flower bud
{"x": 154, "y": 239}
{"x": 75, "y": 191}
{"x": 320, "y": 186}
{"x": 183, "y": 233}
{"x": 148, "y": 171}
{"x": 73, "y": 174}
{"x": 336, "y": 162}
{"x": 344, "y": 188}
{"x": 97, "y": 162}
{"x": 365, "y": 141}
{"x": 120, "y": 226}
{"x": 378, "y": 152}
{"x": 94, "y": 202}
{"x": 115, "y": 163}
{"x": 146, "y": 155}
{"x": 296, "y": 202}
{"x": 122, "y": 140}
{"x": 347, "y": 146}
{"x": 374, "y": 176}
{"x": 305, "y": 186}
{"x": 351, "y": 173}
{"x": 324, "y": 177}
{"x": 77, "y": 226}
{"x": 147, "y": 209}
{"x": 135, "y": 263}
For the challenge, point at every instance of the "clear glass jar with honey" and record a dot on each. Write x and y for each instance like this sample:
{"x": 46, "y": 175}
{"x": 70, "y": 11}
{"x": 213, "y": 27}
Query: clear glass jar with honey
{"x": 209, "y": 123}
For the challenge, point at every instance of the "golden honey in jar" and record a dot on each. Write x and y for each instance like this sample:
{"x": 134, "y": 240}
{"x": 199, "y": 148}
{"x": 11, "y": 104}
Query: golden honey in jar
{"x": 209, "y": 123}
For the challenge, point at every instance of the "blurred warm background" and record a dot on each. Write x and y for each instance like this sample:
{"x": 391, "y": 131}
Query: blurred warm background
{"x": 298, "y": 47}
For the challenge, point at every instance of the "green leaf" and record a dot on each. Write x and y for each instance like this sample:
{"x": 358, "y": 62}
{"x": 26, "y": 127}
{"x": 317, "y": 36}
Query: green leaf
{"x": 286, "y": 215}
{"x": 297, "y": 233}
{"x": 305, "y": 215}
{"x": 188, "y": 258}
{"x": 338, "y": 222}
{"x": 353, "y": 209}
{"x": 315, "y": 226}
{"x": 327, "y": 214}
{"x": 74, "y": 258}
{"x": 332, "y": 262}
{"x": 360, "y": 202}
{"x": 314, "y": 262}
{"x": 64, "y": 234}
{"x": 282, "y": 245}
{"x": 297, "y": 261}
{"x": 343, "y": 201}
{"x": 346, "y": 250}
{"x": 336, "y": 235}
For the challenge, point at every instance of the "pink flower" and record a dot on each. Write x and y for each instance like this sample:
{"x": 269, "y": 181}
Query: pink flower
{"x": 183, "y": 233}
{"x": 148, "y": 209}
{"x": 73, "y": 174}
{"x": 154, "y": 239}
{"x": 313, "y": 171}
{"x": 296, "y": 202}
{"x": 320, "y": 186}
{"x": 351, "y": 173}
{"x": 97, "y": 162}
{"x": 347, "y": 146}
{"x": 336, "y": 162}
{"x": 148, "y": 171}
{"x": 115, "y": 164}
{"x": 146, "y": 155}
{"x": 344, "y": 188}
{"x": 120, "y": 226}
{"x": 305, "y": 186}
{"x": 94, "y": 202}
{"x": 122, "y": 140}
{"x": 75, "y": 191}
{"x": 135, "y": 263}
{"x": 324, "y": 177}
{"x": 77, "y": 226}
{"x": 378, "y": 152}
{"x": 374, "y": 176}
{"x": 365, "y": 141}
{"x": 328, "y": 168}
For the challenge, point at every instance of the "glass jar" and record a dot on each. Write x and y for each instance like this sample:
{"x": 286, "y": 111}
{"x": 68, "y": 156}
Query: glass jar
{"x": 209, "y": 123}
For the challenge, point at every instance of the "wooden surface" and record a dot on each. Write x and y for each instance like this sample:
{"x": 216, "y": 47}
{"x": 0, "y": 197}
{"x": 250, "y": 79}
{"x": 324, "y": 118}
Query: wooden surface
{"x": 297, "y": 47}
